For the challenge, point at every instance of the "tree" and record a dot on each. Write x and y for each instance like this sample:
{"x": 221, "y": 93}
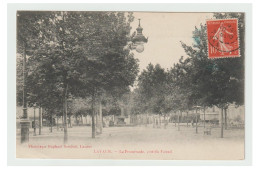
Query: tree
{"x": 220, "y": 81}
{"x": 27, "y": 40}
{"x": 179, "y": 87}
{"x": 75, "y": 56}
{"x": 110, "y": 68}
{"x": 149, "y": 97}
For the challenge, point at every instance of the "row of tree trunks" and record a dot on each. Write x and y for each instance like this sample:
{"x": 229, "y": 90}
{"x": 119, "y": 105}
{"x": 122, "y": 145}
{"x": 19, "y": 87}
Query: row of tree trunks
{"x": 99, "y": 118}
{"x": 223, "y": 120}
{"x": 70, "y": 125}
{"x": 156, "y": 122}
{"x": 179, "y": 115}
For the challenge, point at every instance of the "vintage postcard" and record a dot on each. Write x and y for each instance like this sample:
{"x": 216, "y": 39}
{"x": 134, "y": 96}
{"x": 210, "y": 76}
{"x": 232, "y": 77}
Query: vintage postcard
{"x": 130, "y": 85}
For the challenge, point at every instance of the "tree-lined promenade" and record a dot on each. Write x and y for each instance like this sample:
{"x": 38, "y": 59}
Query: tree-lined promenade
{"x": 195, "y": 82}
{"x": 79, "y": 63}
{"x": 74, "y": 54}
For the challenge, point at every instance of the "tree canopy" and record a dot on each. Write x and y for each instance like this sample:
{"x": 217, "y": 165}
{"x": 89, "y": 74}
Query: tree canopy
{"x": 195, "y": 80}
{"x": 77, "y": 53}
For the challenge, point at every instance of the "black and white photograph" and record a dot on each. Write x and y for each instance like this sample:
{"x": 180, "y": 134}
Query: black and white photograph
{"x": 130, "y": 85}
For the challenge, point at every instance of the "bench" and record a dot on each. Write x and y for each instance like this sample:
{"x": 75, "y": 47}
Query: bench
{"x": 207, "y": 131}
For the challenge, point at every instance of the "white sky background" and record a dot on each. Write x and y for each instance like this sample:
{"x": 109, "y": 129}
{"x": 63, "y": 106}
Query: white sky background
{"x": 165, "y": 31}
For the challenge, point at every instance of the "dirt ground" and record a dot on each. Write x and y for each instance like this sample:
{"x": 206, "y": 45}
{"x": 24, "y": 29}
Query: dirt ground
{"x": 138, "y": 142}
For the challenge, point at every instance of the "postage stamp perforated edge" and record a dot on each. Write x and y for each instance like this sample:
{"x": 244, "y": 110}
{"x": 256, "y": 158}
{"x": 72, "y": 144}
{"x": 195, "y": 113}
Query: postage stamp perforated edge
{"x": 220, "y": 57}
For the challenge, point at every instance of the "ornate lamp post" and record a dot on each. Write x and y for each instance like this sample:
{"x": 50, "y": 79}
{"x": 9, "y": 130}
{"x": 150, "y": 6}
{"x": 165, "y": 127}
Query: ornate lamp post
{"x": 138, "y": 39}
{"x": 25, "y": 123}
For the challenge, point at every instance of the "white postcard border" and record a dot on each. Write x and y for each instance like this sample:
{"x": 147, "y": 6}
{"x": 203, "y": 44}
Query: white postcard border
{"x": 11, "y": 98}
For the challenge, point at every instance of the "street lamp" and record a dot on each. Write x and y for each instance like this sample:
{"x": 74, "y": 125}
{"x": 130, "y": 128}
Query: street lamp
{"x": 25, "y": 123}
{"x": 138, "y": 39}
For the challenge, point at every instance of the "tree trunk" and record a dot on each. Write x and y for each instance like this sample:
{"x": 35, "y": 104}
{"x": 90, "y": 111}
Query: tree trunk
{"x": 86, "y": 118}
{"x": 100, "y": 116}
{"x": 222, "y": 131}
{"x": 76, "y": 118}
{"x": 97, "y": 123}
{"x": 93, "y": 116}
{"x": 34, "y": 121}
{"x": 69, "y": 123}
{"x": 145, "y": 120}
{"x": 62, "y": 119}
{"x": 57, "y": 123}
{"x": 187, "y": 119}
{"x": 181, "y": 118}
{"x": 40, "y": 121}
{"x": 204, "y": 111}
{"x": 164, "y": 121}
{"x": 81, "y": 117}
{"x": 225, "y": 111}
{"x": 102, "y": 121}
{"x": 65, "y": 117}
{"x": 179, "y": 121}
{"x": 196, "y": 121}
{"x": 51, "y": 121}
{"x": 160, "y": 120}
{"x": 175, "y": 118}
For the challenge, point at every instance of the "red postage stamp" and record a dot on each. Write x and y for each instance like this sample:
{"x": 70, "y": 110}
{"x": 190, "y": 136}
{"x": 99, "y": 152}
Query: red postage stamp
{"x": 223, "y": 38}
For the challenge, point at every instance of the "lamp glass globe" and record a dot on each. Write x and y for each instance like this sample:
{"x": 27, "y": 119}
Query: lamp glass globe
{"x": 139, "y": 48}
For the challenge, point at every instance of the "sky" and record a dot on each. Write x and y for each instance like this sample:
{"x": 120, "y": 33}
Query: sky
{"x": 164, "y": 32}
